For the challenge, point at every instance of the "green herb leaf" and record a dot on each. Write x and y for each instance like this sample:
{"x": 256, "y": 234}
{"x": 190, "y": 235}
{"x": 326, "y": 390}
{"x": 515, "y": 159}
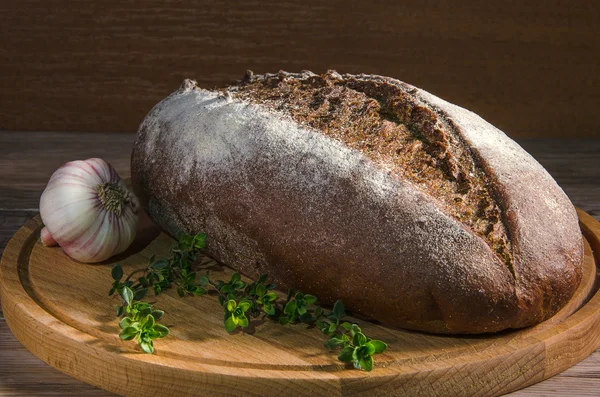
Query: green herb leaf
{"x": 157, "y": 314}
{"x": 127, "y": 295}
{"x": 366, "y": 363}
{"x": 334, "y": 342}
{"x": 354, "y": 329}
{"x": 140, "y": 294}
{"x": 128, "y": 333}
{"x": 190, "y": 277}
{"x": 339, "y": 310}
{"x": 117, "y": 272}
{"x": 310, "y": 299}
{"x": 147, "y": 346}
{"x": 160, "y": 264}
{"x": 269, "y": 309}
{"x": 152, "y": 333}
{"x": 359, "y": 339}
{"x": 261, "y": 290}
{"x": 290, "y": 308}
{"x": 347, "y": 326}
{"x": 370, "y": 349}
{"x": 378, "y": 346}
{"x": 318, "y": 312}
{"x": 243, "y": 321}
{"x": 346, "y": 354}
{"x": 231, "y": 305}
{"x": 149, "y": 321}
{"x": 270, "y": 297}
{"x": 197, "y": 291}
{"x": 125, "y": 322}
{"x": 235, "y": 277}
{"x": 323, "y": 326}
{"x": 332, "y": 328}
{"x": 142, "y": 307}
{"x": 225, "y": 289}
{"x": 199, "y": 240}
{"x": 230, "y": 324}
{"x": 355, "y": 354}
{"x": 245, "y": 305}
{"x": 301, "y": 309}
{"x": 162, "y": 330}
{"x": 238, "y": 285}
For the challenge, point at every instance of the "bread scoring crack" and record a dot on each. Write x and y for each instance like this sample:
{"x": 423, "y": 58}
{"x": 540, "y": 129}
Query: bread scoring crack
{"x": 394, "y": 129}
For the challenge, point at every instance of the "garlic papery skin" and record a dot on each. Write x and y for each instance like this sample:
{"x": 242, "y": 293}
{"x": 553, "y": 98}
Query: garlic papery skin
{"x": 87, "y": 209}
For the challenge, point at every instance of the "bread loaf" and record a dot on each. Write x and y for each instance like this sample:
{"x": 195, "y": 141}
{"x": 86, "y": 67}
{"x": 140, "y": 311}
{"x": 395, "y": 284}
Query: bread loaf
{"x": 413, "y": 211}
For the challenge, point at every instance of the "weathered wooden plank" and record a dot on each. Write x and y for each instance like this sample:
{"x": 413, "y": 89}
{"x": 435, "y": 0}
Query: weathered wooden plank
{"x": 27, "y": 161}
{"x": 528, "y": 67}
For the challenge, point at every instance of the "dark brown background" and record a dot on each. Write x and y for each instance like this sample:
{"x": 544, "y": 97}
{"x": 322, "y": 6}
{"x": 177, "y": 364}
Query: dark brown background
{"x": 65, "y": 65}
{"x": 531, "y": 68}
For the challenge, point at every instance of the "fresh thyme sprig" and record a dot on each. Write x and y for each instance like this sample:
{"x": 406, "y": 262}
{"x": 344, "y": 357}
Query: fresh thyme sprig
{"x": 140, "y": 318}
{"x": 239, "y": 300}
{"x": 139, "y": 322}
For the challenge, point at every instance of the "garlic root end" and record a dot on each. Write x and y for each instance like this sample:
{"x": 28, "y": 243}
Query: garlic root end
{"x": 46, "y": 238}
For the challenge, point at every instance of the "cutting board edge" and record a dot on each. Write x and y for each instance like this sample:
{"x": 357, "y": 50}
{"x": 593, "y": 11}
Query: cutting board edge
{"x": 556, "y": 360}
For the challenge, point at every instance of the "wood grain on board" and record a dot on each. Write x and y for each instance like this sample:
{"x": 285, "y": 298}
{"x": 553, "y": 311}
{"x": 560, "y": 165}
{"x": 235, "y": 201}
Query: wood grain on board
{"x": 58, "y": 308}
{"x": 529, "y": 68}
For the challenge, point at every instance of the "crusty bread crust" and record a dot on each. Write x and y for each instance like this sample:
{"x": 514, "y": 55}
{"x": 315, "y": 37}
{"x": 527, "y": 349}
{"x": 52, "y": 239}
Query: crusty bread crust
{"x": 542, "y": 222}
{"x": 281, "y": 198}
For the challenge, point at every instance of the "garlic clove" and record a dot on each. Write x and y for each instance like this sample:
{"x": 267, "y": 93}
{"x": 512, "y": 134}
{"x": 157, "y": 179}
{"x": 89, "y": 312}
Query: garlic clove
{"x": 89, "y": 211}
{"x": 127, "y": 226}
{"x": 67, "y": 209}
{"x": 47, "y": 238}
{"x": 96, "y": 243}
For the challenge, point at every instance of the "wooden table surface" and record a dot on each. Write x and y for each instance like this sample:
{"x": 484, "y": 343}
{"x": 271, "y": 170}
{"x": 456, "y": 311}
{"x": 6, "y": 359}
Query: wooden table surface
{"x": 28, "y": 159}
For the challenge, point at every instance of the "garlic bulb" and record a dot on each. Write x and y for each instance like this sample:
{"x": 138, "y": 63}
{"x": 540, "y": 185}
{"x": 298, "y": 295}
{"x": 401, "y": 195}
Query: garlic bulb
{"x": 88, "y": 211}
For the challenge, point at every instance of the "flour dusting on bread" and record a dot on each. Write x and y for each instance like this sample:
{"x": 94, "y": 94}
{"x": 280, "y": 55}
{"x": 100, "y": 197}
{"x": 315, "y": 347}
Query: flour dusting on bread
{"x": 280, "y": 196}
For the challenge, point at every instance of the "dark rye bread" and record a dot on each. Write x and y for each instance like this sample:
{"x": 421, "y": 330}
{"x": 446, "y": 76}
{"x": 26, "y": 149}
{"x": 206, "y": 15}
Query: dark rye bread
{"x": 413, "y": 211}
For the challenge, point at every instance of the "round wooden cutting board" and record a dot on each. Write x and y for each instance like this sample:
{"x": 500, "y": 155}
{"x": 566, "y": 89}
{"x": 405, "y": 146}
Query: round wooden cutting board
{"x": 59, "y": 309}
